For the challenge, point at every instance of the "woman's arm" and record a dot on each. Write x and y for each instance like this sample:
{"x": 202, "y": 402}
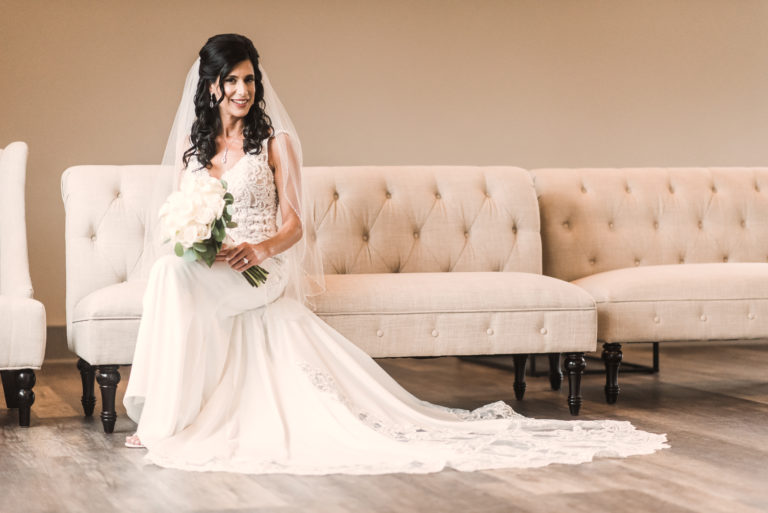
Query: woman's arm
{"x": 290, "y": 231}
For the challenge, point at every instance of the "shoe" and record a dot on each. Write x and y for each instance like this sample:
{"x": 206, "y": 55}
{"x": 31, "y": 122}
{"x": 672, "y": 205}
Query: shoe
{"x": 133, "y": 442}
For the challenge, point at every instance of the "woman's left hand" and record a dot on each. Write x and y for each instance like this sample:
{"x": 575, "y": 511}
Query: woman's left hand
{"x": 246, "y": 255}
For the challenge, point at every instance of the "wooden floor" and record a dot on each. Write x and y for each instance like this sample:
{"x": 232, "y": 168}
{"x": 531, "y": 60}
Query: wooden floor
{"x": 711, "y": 400}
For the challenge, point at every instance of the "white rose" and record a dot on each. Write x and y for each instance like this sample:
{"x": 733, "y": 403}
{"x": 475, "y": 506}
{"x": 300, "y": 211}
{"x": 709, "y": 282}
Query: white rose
{"x": 188, "y": 235}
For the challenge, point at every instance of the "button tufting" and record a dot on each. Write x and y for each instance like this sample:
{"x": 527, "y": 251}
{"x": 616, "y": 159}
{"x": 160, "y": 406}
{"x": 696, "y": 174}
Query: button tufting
{"x": 725, "y": 259}
{"x": 750, "y": 316}
{"x": 543, "y": 331}
{"x": 592, "y": 261}
{"x": 514, "y": 229}
{"x": 629, "y": 191}
{"x": 335, "y": 195}
{"x": 415, "y": 235}
{"x": 466, "y": 235}
{"x": 437, "y": 195}
{"x": 714, "y": 190}
{"x": 583, "y": 189}
{"x": 117, "y": 195}
{"x": 610, "y": 225}
{"x": 743, "y": 223}
{"x": 701, "y": 225}
{"x": 656, "y": 225}
{"x": 93, "y": 237}
{"x": 389, "y": 194}
{"x": 703, "y": 317}
{"x": 365, "y": 236}
{"x": 566, "y": 225}
{"x": 379, "y": 333}
{"x": 671, "y": 190}
{"x": 637, "y": 261}
{"x": 682, "y": 260}
{"x": 489, "y": 331}
{"x": 435, "y": 333}
{"x": 656, "y": 319}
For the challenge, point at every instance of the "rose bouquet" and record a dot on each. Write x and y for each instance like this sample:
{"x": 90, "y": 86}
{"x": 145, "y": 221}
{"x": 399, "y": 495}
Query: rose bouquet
{"x": 196, "y": 218}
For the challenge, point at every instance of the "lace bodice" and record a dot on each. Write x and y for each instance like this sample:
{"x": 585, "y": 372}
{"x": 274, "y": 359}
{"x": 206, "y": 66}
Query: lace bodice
{"x": 252, "y": 184}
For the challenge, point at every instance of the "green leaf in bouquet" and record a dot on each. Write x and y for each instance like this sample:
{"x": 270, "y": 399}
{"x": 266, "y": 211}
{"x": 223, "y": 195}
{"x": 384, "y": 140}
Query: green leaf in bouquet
{"x": 209, "y": 256}
{"x": 190, "y": 255}
{"x": 200, "y": 247}
{"x": 224, "y": 184}
{"x": 178, "y": 249}
{"x": 219, "y": 234}
{"x": 231, "y": 224}
{"x": 228, "y": 198}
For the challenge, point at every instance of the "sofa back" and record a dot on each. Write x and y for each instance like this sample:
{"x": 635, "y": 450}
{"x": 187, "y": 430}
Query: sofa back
{"x": 596, "y": 220}
{"x": 380, "y": 219}
{"x": 14, "y": 262}
{"x": 107, "y": 209}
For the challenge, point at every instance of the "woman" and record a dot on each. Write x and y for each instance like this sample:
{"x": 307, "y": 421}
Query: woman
{"x": 228, "y": 377}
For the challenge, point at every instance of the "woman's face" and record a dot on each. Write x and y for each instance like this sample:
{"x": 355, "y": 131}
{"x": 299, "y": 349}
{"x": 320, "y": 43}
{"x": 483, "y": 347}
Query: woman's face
{"x": 239, "y": 89}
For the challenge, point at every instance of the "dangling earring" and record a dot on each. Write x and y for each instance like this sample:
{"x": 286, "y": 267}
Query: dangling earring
{"x": 213, "y": 100}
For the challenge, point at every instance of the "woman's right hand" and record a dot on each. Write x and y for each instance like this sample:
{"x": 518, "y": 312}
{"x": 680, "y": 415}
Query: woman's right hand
{"x": 223, "y": 254}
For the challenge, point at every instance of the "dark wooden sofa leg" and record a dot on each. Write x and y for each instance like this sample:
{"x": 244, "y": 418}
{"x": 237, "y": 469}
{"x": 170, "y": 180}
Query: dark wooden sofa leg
{"x": 87, "y": 375}
{"x": 10, "y": 388}
{"x": 555, "y": 373}
{"x": 612, "y": 356}
{"x": 519, "y": 385}
{"x": 108, "y": 377}
{"x": 574, "y": 367}
{"x": 17, "y": 385}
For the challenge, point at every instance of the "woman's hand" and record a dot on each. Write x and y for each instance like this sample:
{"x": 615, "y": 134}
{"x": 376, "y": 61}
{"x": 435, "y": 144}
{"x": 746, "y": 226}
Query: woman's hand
{"x": 236, "y": 256}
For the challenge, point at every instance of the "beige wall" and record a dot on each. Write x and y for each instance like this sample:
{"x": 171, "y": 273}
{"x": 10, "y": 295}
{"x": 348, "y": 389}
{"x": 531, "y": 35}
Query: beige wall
{"x": 530, "y": 83}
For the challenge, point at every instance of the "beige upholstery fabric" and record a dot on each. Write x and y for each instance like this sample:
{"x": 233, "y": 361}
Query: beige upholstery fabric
{"x": 681, "y": 302}
{"x": 378, "y": 219}
{"x": 596, "y": 220}
{"x": 105, "y": 323}
{"x": 432, "y": 314}
{"x": 22, "y": 337}
{"x": 622, "y": 234}
{"x": 380, "y": 227}
{"x": 106, "y": 209}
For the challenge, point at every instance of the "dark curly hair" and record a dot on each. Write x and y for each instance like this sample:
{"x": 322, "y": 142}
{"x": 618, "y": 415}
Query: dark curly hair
{"x": 220, "y": 54}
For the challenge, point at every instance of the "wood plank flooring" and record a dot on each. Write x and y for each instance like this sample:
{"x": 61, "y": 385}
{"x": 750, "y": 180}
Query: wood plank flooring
{"x": 710, "y": 399}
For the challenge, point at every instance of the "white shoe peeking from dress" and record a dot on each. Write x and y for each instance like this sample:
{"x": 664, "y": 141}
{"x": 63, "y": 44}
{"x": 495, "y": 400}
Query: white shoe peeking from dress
{"x": 133, "y": 442}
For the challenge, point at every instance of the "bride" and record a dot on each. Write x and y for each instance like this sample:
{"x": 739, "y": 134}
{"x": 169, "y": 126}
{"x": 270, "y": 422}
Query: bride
{"x": 234, "y": 378}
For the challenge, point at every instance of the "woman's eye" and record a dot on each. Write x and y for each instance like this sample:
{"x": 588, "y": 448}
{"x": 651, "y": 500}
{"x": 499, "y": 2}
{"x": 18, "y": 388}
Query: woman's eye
{"x": 250, "y": 79}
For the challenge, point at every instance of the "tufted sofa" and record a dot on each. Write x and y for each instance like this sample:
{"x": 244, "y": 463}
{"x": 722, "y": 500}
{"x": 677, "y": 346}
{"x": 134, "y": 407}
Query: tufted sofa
{"x": 419, "y": 261}
{"x": 668, "y": 254}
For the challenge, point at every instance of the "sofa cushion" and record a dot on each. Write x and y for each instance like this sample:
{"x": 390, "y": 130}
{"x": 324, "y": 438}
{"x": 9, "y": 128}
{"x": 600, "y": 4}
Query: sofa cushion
{"x": 681, "y": 302}
{"x": 434, "y": 314}
{"x": 105, "y": 323}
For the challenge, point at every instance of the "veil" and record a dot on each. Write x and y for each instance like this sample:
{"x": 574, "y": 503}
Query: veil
{"x": 305, "y": 270}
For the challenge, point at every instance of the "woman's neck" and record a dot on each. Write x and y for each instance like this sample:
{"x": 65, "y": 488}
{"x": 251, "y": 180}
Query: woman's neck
{"x": 231, "y": 126}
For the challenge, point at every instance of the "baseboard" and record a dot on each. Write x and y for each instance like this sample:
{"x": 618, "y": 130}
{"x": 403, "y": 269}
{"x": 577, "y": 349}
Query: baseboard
{"x": 56, "y": 345}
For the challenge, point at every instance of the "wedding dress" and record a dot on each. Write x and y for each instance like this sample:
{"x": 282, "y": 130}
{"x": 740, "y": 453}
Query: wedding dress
{"x": 228, "y": 377}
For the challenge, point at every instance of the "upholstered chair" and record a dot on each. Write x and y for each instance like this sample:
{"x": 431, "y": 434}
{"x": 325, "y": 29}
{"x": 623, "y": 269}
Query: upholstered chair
{"x": 22, "y": 337}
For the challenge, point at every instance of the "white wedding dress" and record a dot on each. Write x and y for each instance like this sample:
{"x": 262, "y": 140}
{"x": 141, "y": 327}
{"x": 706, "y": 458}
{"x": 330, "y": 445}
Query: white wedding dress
{"x": 228, "y": 377}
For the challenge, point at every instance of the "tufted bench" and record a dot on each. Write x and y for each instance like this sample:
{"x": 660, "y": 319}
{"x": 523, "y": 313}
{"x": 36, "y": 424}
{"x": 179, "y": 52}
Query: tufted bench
{"x": 669, "y": 254}
{"x": 420, "y": 261}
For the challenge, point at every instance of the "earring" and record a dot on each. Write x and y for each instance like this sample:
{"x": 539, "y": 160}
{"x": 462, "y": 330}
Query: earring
{"x": 213, "y": 100}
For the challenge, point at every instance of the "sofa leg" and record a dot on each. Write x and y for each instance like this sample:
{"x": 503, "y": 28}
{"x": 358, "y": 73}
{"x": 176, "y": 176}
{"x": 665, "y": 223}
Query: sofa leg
{"x": 108, "y": 377}
{"x": 555, "y": 373}
{"x": 25, "y": 380}
{"x": 87, "y": 376}
{"x": 612, "y": 356}
{"x": 574, "y": 367}
{"x": 11, "y": 388}
{"x": 519, "y": 385}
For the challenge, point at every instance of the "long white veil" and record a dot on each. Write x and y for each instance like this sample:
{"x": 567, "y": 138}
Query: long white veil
{"x": 303, "y": 259}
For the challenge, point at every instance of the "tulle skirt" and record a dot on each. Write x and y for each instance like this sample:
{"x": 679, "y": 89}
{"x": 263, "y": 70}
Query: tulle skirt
{"x": 228, "y": 377}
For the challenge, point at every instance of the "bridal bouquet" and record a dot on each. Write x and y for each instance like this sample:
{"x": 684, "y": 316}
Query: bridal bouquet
{"x": 196, "y": 218}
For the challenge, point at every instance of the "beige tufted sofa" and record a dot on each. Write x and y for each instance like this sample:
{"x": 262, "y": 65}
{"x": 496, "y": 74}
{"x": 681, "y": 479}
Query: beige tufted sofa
{"x": 420, "y": 261}
{"x": 668, "y": 254}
